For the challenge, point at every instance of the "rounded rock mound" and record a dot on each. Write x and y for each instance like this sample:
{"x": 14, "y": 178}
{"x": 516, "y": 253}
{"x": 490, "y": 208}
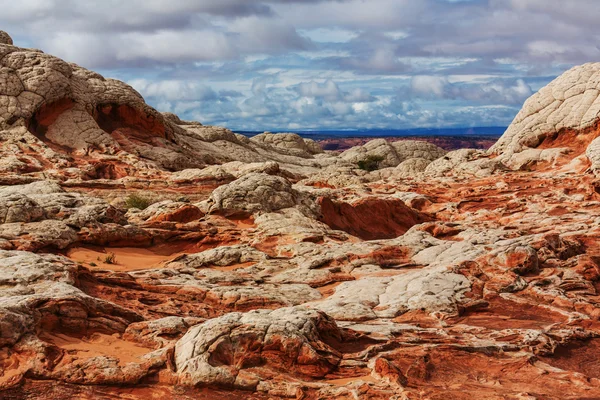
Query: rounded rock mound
{"x": 218, "y": 351}
{"x": 255, "y": 192}
{"x": 290, "y": 143}
{"x": 557, "y": 123}
{"x": 387, "y": 154}
{"x": 5, "y": 38}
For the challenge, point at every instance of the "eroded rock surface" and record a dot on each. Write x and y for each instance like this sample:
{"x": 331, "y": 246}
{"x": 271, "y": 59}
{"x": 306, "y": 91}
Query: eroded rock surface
{"x": 562, "y": 116}
{"x": 143, "y": 256}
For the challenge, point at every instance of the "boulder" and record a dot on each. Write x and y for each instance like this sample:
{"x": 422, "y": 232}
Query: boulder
{"x": 287, "y": 339}
{"x": 254, "y": 193}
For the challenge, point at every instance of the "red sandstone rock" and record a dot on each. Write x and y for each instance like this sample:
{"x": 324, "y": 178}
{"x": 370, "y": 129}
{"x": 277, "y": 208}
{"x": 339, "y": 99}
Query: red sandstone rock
{"x": 370, "y": 218}
{"x": 489, "y": 290}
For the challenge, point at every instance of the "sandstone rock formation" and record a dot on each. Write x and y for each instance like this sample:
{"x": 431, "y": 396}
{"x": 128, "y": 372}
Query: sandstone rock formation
{"x": 291, "y": 338}
{"x": 560, "y": 120}
{"x": 143, "y": 256}
{"x": 392, "y": 154}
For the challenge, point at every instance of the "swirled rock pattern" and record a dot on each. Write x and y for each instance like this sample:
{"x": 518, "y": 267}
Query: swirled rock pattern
{"x": 143, "y": 256}
{"x": 563, "y": 116}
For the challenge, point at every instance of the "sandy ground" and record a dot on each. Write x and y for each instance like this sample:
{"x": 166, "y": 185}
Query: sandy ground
{"x": 98, "y": 344}
{"x": 126, "y": 258}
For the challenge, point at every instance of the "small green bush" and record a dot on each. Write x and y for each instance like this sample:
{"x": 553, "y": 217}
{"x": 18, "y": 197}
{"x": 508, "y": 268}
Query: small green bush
{"x": 371, "y": 163}
{"x": 135, "y": 200}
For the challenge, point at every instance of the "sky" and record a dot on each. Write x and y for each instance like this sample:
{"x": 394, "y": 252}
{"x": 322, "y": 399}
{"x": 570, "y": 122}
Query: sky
{"x": 286, "y": 65}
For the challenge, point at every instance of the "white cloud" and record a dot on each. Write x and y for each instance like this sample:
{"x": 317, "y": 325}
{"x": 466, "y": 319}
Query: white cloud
{"x": 328, "y": 90}
{"x": 329, "y": 35}
{"x": 512, "y": 92}
{"x": 172, "y": 90}
{"x": 339, "y": 63}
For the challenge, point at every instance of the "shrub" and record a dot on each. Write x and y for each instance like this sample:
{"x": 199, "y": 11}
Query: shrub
{"x": 110, "y": 258}
{"x": 371, "y": 163}
{"x": 135, "y": 200}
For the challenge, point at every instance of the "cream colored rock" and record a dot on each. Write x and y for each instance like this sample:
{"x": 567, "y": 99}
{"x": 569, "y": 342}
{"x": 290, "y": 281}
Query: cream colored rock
{"x": 19, "y": 208}
{"x": 430, "y": 289}
{"x": 221, "y": 256}
{"x": 530, "y": 157}
{"x": 292, "y": 334}
{"x": 417, "y": 149}
{"x": 255, "y": 193}
{"x": 5, "y": 38}
{"x": 570, "y": 102}
{"x": 213, "y": 173}
{"x": 593, "y": 154}
{"x": 158, "y": 333}
{"x": 38, "y": 235}
{"x": 35, "y": 286}
{"x": 411, "y": 167}
{"x": 290, "y": 143}
{"x": 390, "y": 154}
{"x": 468, "y": 162}
{"x": 166, "y": 211}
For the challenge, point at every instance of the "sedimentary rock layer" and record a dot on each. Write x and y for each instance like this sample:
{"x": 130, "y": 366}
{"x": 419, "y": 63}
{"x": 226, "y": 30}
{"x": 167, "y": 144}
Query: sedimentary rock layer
{"x": 143, "y": 256}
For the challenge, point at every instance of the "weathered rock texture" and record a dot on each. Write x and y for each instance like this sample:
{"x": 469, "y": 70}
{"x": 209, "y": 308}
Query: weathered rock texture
{"x": 558, "y": 122}
{"x": 143, "y": 256}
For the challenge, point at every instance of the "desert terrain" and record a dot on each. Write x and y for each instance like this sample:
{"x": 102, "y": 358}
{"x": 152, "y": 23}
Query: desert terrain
{"x": 143, "y": 256}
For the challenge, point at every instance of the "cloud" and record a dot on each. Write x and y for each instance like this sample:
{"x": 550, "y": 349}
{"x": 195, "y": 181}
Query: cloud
{"x": 171, "y": 90}
{"x": 507, "y": 92}
{"x": 329, "y": 63}
{"x": 330, "y": 91}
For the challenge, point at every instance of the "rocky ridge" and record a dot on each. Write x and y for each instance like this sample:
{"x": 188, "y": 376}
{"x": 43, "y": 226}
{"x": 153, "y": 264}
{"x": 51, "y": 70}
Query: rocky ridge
{"x": 144, "y": 256}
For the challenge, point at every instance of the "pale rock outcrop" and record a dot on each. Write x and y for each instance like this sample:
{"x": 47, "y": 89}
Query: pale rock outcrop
{"x": 390, "y": 154}
{"x": 338, "y": 176}
{"x": 45, "y": 200}
{"x": 221, "y": 256}
{"x": 166, "y": 211}
{"x": 211, "y": 174}
{"x": 287, "y": 338}
{"x": 44, "y": 99}
{"x": 411, "y": 167}
{"x": 39, "y": 289}
{"x": 291, "y": 143}
{"x": 255, "y": 193}
{"x": 417, "y": 149}
{"x": 5, "y": 38}
{"x": 430, "y": 289}
{"x": 312, "y": 146}
{"x": 464, "y": 162}
{"x": 530, "y": 157}
{"x": 593, "y": 154}
{"x": 160, "y": 332}
{"x": 34, "y": 188}
{"x": 178, "y": 121}
{"x": 568, "y": 105}
{"x": 35, "y": 236}
{"x": 19, "y": 208}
